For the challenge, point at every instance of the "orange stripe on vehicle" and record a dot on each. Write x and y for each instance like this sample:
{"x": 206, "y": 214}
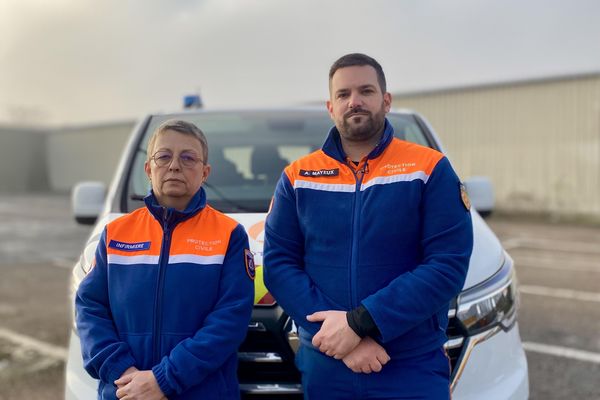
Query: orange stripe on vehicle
{"x": 255, "y": 230}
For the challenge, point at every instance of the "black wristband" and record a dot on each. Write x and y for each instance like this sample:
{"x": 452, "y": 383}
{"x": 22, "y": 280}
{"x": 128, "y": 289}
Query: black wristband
{"x": 361, "y": 322}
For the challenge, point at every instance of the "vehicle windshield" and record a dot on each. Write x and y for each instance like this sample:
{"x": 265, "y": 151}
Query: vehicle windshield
{"x": 248, "y": 150}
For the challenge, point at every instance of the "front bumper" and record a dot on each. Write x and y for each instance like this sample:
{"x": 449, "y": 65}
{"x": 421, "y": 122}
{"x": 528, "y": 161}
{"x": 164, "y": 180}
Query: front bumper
{"x": 491, "y": 365}
{"x": 78, "y": 384}
{"x": 492, "y": 369}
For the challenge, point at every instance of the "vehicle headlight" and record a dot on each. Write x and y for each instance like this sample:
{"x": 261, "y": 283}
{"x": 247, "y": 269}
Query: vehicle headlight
{"x": 493, "y": 303}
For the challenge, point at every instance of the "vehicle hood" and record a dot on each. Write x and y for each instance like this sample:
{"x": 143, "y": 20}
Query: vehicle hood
{"x": 254, "y": 223}
{"x": 83, "y": 265}
{"x": 488, "y": 254}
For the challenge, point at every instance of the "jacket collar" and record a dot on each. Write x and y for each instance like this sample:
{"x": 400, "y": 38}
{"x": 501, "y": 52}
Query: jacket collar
{"x": 172, "y": 216}
{"x": 333, "y": 145}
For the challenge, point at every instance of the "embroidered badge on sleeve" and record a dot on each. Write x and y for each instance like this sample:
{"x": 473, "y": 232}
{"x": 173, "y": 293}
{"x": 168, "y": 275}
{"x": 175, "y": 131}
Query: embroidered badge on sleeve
{"x": 465, "y": 197}
{"x": 250, "y": 267}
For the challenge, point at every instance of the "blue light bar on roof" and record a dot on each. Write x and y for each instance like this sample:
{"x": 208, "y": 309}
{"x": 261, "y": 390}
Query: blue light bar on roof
{"x": 192, "y": 101}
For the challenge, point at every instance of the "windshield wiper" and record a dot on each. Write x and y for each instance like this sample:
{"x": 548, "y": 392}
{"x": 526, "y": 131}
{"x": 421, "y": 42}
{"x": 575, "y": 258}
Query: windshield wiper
{"x": 235, "y": 205}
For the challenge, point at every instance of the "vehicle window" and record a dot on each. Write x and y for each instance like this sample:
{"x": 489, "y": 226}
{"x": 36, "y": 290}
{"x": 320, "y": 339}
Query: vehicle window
{"x": 249, "y": 150}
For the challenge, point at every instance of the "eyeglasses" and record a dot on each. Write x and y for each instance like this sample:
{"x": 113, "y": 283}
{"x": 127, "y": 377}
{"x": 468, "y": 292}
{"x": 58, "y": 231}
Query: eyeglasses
{"x": 188, "y": 159}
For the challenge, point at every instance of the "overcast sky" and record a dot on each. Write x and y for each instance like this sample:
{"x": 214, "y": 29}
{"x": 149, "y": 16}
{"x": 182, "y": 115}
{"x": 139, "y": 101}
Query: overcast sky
{"x": 79, "y": 61}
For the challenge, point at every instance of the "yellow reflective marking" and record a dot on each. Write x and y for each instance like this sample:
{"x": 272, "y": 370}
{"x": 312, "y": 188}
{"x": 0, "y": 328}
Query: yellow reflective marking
{"x": 259, "y": 285}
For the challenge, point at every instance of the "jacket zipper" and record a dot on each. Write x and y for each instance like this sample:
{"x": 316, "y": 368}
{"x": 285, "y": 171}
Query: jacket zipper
{"x": 355, "y": 230}
{"x": 162, "y": 267}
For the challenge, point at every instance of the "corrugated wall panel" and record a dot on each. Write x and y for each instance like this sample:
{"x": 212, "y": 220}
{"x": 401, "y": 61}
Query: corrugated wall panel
{"x": 85, "y": 153}
{"x": 538, "y": 142}
{"x": 22, "y": 160}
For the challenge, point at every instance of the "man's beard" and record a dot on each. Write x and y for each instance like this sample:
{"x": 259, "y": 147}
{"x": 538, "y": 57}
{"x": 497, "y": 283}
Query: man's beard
{"x": 366, "y": 130}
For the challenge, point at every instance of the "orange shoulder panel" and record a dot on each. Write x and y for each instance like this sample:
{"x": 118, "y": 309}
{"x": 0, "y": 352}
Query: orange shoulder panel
{"x": 135, "y": 227}
{"x": 403, "y": 158}
{"x": 319, "y": 168}
{"x": 207, "y": 233}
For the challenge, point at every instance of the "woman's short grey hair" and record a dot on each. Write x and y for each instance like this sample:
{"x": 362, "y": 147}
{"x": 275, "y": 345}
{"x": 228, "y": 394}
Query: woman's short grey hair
{"x": 183, "y": 127}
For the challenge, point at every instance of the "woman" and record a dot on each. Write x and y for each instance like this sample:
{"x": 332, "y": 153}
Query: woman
{"x": 168, "y": 302}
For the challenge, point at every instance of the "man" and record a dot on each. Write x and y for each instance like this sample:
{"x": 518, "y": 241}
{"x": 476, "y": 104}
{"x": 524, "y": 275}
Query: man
{"x": 366, "y": 243}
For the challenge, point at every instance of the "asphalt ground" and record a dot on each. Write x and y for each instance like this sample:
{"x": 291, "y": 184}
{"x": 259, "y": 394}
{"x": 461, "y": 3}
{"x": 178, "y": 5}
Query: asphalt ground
{"x": 558, "y": 267}
{"x": 38, "y": 243}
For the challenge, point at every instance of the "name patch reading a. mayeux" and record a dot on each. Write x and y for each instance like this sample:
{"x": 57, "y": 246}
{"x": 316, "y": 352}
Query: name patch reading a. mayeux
{"x": 321, "y": 172}
{"x": 129, "y": 246}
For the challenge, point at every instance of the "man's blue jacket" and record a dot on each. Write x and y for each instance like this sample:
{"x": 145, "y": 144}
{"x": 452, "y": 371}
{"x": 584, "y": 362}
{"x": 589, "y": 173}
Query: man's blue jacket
{"x": 392, "y": 234}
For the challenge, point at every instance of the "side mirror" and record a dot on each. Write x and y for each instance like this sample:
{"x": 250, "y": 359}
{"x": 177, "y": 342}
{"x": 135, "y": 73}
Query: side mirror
{"x": 87, "y": 201}
{"x": 481, "y": 194}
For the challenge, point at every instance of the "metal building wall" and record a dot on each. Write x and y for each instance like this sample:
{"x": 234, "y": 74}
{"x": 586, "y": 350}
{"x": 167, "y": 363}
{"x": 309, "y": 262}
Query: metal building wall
{"x": 539, "y": 142}
{"x": 22, "y": 160}
{"x": 83, "y": 153}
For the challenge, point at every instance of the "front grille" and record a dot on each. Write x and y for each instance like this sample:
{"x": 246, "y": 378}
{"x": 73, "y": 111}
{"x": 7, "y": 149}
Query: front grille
{"x": 266, "y": 358}
{"x": 266, "y": 355}
{"x": 456, "y": 342}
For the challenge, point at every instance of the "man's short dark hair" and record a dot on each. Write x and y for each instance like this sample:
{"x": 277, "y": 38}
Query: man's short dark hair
{"x": 358, "y": 60}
